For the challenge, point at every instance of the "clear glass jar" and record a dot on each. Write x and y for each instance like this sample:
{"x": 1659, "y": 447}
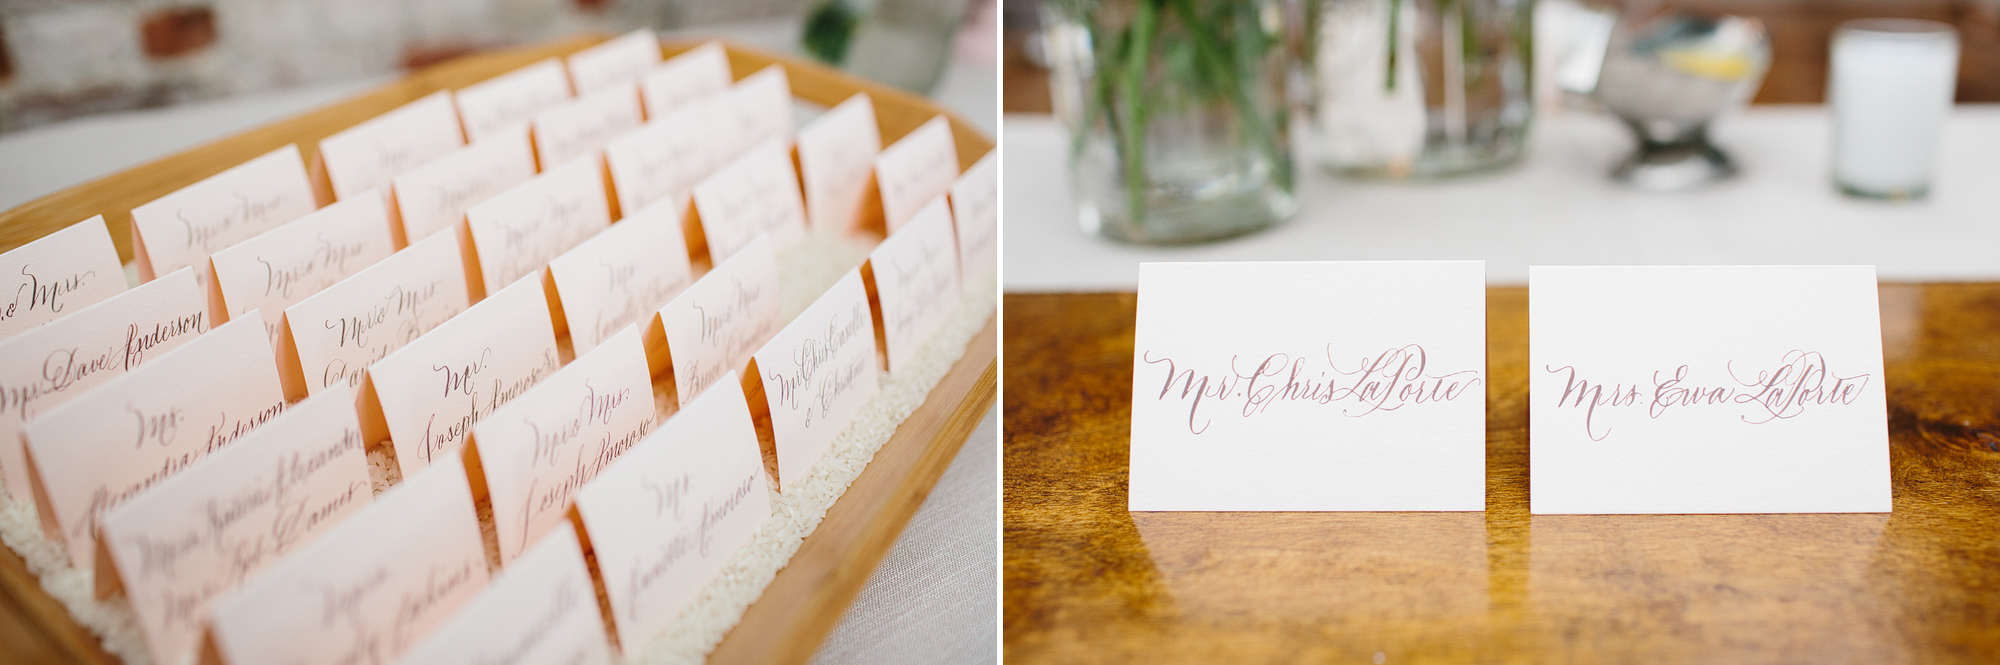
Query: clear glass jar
{"x": 1177, "y": 115}
{"x": 1421, "y": 88}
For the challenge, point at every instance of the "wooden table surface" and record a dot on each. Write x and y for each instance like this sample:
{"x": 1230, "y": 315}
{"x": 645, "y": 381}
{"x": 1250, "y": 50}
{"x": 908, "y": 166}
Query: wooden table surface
{"x": 1087, "y": 581}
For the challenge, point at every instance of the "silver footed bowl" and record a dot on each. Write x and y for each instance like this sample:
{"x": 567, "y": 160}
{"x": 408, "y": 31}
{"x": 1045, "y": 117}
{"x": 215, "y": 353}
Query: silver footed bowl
{"x": 1668, "y": 78}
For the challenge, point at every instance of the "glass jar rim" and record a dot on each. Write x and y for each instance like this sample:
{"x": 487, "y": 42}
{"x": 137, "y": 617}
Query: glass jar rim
{"x": 1897, "y": 28}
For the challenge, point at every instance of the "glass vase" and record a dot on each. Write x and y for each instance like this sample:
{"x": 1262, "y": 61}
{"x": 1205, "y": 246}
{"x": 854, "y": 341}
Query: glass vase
{"x": 1420, "y": 88}
{"x": 1177, "y": 115}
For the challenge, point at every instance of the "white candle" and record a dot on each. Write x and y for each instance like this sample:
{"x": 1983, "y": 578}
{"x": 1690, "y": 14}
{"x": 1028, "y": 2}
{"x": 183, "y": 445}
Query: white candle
{"x": 1890, "y": 89}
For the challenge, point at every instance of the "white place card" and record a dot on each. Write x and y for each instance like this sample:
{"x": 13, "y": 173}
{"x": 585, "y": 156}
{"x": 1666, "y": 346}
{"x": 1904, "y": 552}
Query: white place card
{"x": 975, "y": 213}
{"x": 1727, "y": 389}
{"x": 368, "y": 589}
{"x": 332, "y": 336}
{"x": 57, "y": 274}
{"x": 700, "y": 73}
{"x": 758, "y": 194}
{"x": 672, "y": 512}
{"x": 1353, "y": 386}
{"x": 664, "y": 159}
{"x": 292, "y": 262}
{"x": 107, "y": 446}
{"x": 622, "y": 276}
{"x": 519, "y": 230}
{"x": 183, "y": 228}
{"x": 201, "y": 534}
{"x": 430, "y": 392}
{"x": 617, "y": 61}
{"x": 45, "y": 367}
{"x": 836, "y": 161}
{"x": 756, "y": 109}
{"x": 915, "y": 275}
{"x": 915, "y": 169}
{"x": 435, "y": 196}
{"x": 539, "y": 449}
{"x": 817, "y": 373}
{"x": 717, "y": 324}
{"x": 511, "y": 99}
{"x": 371, "y": 154}
{"x": 541, "y": 609}
{"x": 580, "y": 127}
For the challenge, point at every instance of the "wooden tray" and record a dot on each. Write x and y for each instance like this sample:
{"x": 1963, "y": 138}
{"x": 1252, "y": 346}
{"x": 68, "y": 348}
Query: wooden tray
{"x": 787, "y": 623}
{"x": 1087, "y": 580}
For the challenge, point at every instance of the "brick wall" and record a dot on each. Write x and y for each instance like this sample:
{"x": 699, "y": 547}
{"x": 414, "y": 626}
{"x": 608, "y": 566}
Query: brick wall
{"x": 63, "y": 58}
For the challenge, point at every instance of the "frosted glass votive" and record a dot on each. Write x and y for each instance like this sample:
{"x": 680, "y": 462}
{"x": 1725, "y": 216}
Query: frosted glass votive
{"x": 1890, "y": 90}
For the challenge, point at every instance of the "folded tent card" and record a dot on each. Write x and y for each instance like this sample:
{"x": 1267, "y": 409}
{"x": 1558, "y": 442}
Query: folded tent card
{"x": 197, "y": 536}
{"x": 669, "y": 514}
{"x": 758, "y": 194}
{"x": 716, "y": 325}
{"x": 914, "y": 277}
{"x": 541, "y": 609}
{"x": 614, "y": 62}
{"x": 45, "y": 367}
{"x": 511, "y": 99}
{"x": 915, "y": 169}
{"x": 699, "y": 73}
{"x": 183, "y": 228}
{"x": 366, "y": 590}
{"x": 581, "y": 126}
{"x": 332, "y": 336}
{"x": 103, "y": 448}
{"x": 57, "y": 274}
{"x": 1309, "y": 386}
{"x": 815, "y": 374}
{"x": 425, "y": 396}
{"x": 371, "y": 154}
{"x": 290, "y": 263}
{"x": 1739, "y": 389}
{"x": 836, "y": 156}
{"x": 975, "y": 215}
{"x": 434, "y": 197}
{"x": 517, "y": 231}
{"x": 536, "y": 451}
{"x": 622, "y": 276}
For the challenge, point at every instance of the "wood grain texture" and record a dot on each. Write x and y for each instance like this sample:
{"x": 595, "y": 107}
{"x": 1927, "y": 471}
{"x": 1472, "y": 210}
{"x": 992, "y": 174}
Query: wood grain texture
{"x": 1085, "y": 580}
{"x": 805, "y": 600}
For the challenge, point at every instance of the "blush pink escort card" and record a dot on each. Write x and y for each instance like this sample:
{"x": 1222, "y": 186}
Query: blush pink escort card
{"x": 975, "y": 214}
{"x": 583, "y": 125}
{"x": 663, "y": 160}
{"x": 370, "y": 155}
{"x": 57, "y": 274}
{"x": 332, "y": 336}
{"x": 290, "y": 263}
{"x": 700, "y": 73}
{"x": 836, "y": 159}
{"x": 758, "y": 194}
{"x": 1726, "y": 389}
{"x": 201, "y": 534}
{"x": 539, "y": 449}
{"x": 429, "y": 393}
{"x": 817, "y": 373}
{"x": 511, "y": 99}
{"x": 366, "y": 590}
{"x": 715, "y": 326}
{"x": 915, "y": 169}
{"x": 48, "y": 366}
{"x": 915, "y": 275}
{"x": 621, "y": 276}
{"x": 674, "y": 510}
{"x": 617, "y": 61}
{"x": 181, "y": 229}
{"x": 435, "y": 196}
{"x": 519, "y": 230}
{"x": 1308, "y": 386}
{"x": 756, "y": 109}
{"x": 105, "y": 447}
{"x": 541, "y": 609}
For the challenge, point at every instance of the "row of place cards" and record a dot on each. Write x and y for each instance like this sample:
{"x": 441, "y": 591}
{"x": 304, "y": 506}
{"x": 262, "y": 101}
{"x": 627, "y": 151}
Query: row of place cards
{"x": 1362, "y": 386}
{"x": 201, "y": 440}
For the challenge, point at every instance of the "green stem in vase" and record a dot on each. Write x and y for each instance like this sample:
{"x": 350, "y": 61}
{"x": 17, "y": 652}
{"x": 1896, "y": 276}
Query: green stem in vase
{"x": 1395, "y": 34}
{"x": 1132, "y": 89}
